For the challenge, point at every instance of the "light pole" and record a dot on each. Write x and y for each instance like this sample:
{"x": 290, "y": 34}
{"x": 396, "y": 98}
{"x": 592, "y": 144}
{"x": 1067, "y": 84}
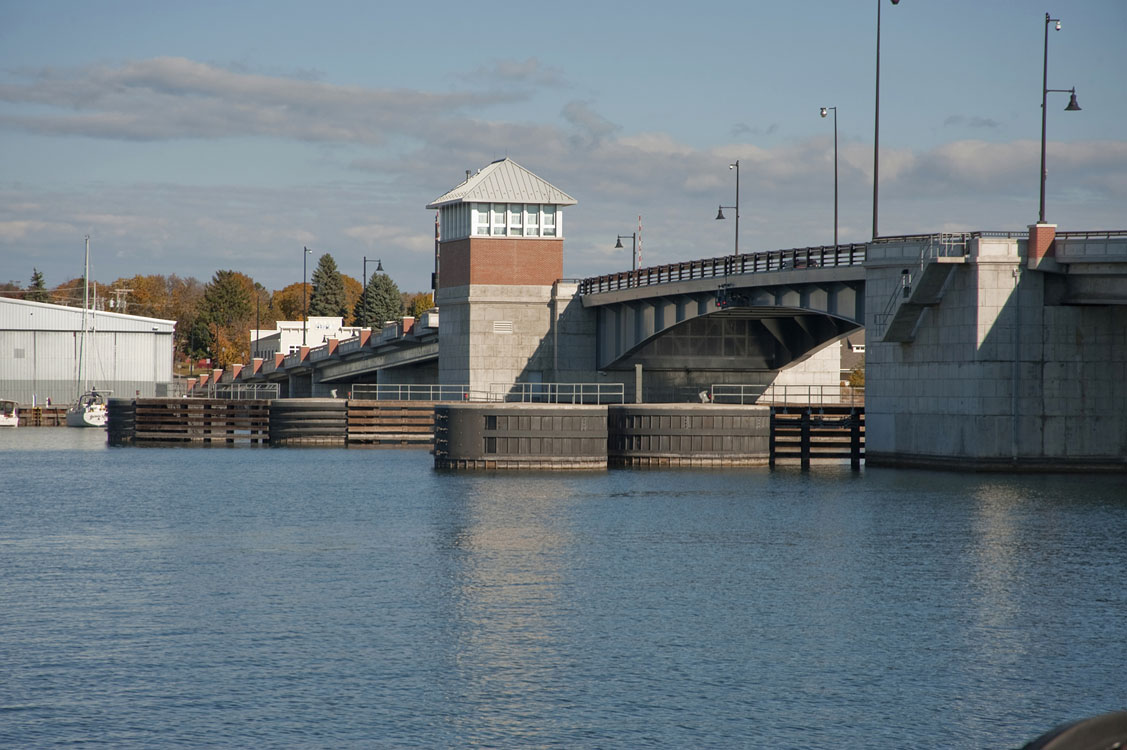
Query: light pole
{"x": 825, "y": 111}
{"x": 876, "y": 127}
{"x": 633, "y": 248}
{"x": 720, "y": 214}
{"x": 1045, "y": 91}
{"x": 364, "y": 295}
{"x": 304, "y": 294}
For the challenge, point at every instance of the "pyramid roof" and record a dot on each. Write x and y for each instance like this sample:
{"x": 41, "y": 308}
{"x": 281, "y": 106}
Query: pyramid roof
{"x": 504, "y": 181}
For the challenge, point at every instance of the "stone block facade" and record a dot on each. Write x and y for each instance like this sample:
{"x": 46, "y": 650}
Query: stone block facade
{"x": 996, "y": 376}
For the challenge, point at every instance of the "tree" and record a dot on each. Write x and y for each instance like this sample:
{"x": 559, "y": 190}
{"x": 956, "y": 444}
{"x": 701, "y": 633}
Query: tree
{"x": 352, "y": 291}
{"x": 228, "y": 308}
{"x": 379, "y": 303}
{"x": 37, "y": 292}
{"x": 328, "y": 290}
{"x": 419, "y": 304}
{"x": 287, "y": 302}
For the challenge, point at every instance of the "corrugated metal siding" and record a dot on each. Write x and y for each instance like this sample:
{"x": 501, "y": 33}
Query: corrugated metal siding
{"x": 505, "y": 181}
{"x": 21, "y": 315}
{"x": 39, "y": 347}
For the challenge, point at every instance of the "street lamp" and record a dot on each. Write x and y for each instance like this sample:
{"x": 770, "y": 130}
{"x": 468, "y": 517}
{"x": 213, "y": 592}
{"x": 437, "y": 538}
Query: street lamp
{"x": 1045, "y": 91}
{"x": 304, "y": 294}
{"x": 876, "y": 127}
{"x": 720, "y": 213}
{"x": 633, "y": 248}
{"x": 825, "y": 111}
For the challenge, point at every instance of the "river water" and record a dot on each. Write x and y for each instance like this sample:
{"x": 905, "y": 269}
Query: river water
{"x": 252, "y": 597}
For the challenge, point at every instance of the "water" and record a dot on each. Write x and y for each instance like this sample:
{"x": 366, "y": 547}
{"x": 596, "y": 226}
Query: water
{"x": 351, "y": 598}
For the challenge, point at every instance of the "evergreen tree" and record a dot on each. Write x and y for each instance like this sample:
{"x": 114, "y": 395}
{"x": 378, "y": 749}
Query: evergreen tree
{"x": 328, "y": 297}
{"x": 227, "y": 307}
{"x": 37, "y": 292}
{"x": 379, "y": 303}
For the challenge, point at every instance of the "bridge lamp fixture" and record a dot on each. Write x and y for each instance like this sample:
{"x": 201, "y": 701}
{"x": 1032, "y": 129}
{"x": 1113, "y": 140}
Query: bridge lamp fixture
{"x": 379, "y": 269}
{"x": 634, "y": 248}
{"x": 825, "y": 112}
{"x": 1073, "y": 106}
{"x": 720, "y": 214}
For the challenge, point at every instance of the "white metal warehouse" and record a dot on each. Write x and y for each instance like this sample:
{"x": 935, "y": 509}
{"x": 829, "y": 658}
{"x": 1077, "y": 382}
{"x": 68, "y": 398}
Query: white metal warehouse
{"x": 39, "y": 352}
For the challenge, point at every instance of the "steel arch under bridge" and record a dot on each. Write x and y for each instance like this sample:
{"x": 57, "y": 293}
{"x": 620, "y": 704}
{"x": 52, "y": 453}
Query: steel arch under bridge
{"x": 754, "y": 311}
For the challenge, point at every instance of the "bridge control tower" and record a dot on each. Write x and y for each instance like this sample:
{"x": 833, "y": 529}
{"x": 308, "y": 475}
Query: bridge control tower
{"x": 498, "y": 283}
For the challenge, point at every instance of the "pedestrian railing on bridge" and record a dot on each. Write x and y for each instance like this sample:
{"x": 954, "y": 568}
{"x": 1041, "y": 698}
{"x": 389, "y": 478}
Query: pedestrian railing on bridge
{"x": 829, "y": 256}
{"x": 393, "y": 392}
{"x": 559, "y": 393}
{"x": 802, "y": 395}
{"x": 235, "y": 391}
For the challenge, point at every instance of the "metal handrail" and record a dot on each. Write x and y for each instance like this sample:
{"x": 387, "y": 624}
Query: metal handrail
{"x": 235, "y": 391}
{"x": 836, "y": 395}
{"x": 559, "y": 393}
{"x": 729, "y": 265}
{"x": 405, "y": 392}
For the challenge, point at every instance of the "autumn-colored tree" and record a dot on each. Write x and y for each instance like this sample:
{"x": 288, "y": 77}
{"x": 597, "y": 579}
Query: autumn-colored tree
{"x": 11, "y": 290}
{"x": 288, "y": 302}
{"x": 68, "y": 293}
{"x": 352, "y": 291}
{"x": 419, "y": 303}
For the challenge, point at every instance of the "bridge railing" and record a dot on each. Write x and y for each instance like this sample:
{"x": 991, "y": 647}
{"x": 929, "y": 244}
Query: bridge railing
{"x": 235, "y": 391}
{"x": 394, "y": 392}
{"x": 559, "y": 393}
{"x": 809, "y": 395}
{"x": 729, "y": 265}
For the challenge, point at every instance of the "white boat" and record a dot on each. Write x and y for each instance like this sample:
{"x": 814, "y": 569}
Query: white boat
{"x": 89, "y": 408}
{"x": 9, "y": 413}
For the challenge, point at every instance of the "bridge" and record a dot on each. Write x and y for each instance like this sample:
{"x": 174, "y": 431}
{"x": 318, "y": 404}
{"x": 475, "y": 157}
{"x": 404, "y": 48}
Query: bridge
{"x": 755, "y": 311}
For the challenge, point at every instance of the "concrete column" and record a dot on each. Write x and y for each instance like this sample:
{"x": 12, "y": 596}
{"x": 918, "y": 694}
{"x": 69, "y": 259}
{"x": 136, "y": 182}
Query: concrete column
{"x": 638, "y": 383}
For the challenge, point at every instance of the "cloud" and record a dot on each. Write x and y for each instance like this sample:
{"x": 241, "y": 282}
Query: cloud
{"x": 172, "y": 97}
{"x": 529, "y": 71}
{"x": 742, "y": 130}
{"x": 970, "y": 122}
{"x": 589, "y": 122}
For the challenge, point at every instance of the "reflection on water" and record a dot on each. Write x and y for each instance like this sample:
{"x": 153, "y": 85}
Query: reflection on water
{"x": 328, "y": 598}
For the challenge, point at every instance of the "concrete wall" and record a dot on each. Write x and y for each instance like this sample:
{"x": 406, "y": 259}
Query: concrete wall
{"x": 995, "y": 375}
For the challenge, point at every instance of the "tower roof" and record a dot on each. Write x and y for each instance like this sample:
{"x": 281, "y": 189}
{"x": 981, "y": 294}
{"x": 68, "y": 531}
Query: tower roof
{"x": 504, "y": 181}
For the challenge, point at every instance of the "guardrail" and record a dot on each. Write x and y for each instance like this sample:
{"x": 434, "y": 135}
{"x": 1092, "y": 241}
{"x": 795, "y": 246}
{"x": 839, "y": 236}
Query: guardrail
{"x": 809, "y": 395}
{"x": 235, "y": 391}
{"x": 392, "y": 392}
{"x": 558, "y": 393}
{"x": 731, "y": 265}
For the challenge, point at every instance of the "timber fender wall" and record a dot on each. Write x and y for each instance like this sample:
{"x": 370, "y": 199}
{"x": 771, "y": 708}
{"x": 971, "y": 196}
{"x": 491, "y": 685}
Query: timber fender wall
{"x": 309, "y": 421}
{"x": 520, "y": 436}
{"x": 642, "y": 435}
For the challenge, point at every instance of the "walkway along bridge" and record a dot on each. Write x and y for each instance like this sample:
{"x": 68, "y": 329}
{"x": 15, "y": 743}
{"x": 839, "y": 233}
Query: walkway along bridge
{"x": 755, "y": 311}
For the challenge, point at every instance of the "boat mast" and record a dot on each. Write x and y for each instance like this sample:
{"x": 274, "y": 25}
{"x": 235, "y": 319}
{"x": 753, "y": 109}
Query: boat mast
{"x": 85, "y": 310}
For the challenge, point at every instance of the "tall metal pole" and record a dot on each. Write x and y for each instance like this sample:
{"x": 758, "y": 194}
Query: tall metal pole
{"x": 304, "y": 294}
{"x": 825, "y": 111}
{"x": 1044, "y": 110}
{"x": 737, "y": 167}
{"x": 876, "y": 132}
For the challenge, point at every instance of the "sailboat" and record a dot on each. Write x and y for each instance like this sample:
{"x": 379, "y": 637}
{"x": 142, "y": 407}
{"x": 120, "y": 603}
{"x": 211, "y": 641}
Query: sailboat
{"x": 89, "y": 408}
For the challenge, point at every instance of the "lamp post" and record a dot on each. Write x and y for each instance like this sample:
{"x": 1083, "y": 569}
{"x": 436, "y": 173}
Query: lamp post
{"x": 633, "y": 248}
{"x": 876, "y": 127}
{"x": 1045, "y": 91}
{"x": 720, "y": 213}
{"x": 364, "y": 295}
{"x": 825, "y": 111}
{"x": 304, "y": 294}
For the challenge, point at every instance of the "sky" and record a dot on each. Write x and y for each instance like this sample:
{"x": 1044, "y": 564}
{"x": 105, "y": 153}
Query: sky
{"x": 186, "y": 138}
